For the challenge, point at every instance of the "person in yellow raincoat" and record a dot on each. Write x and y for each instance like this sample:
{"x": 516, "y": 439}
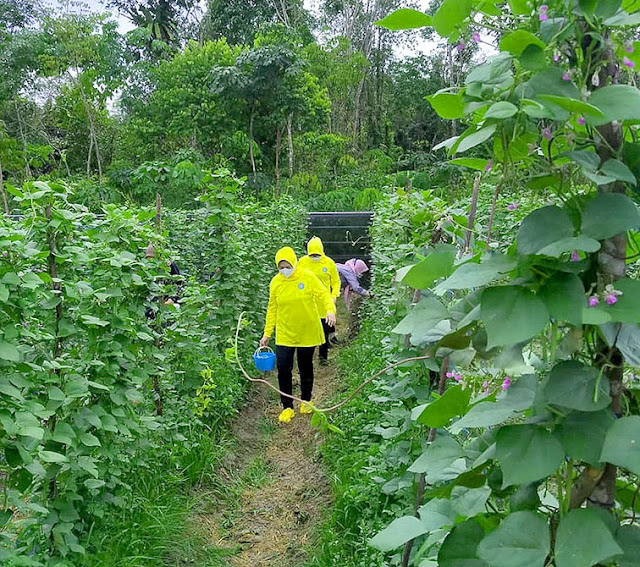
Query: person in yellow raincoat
{"x": 294, "y": 296}
{"x": 324, "y": 268}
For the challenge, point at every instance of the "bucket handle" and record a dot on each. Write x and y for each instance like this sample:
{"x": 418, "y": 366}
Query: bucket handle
{"x": 263, "y": 348}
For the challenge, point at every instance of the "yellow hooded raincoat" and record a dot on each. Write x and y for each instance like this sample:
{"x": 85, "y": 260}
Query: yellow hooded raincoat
{"x": 324, "y": 269}
{"x": 293, "y": 305}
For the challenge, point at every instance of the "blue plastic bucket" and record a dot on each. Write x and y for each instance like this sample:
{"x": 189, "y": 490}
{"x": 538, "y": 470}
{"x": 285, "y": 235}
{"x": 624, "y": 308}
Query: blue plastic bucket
{"x": 264, "y": 361}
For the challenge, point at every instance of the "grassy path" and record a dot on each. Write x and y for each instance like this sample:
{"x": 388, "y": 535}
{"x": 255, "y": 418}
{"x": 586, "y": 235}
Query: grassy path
{"x": 273, "y": 491}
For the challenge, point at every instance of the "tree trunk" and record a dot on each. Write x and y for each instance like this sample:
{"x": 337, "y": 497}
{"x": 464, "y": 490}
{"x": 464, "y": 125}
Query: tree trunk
{"x": 278, "y": 149}
{"x": 5, "y": 202}
{"x": 89, "y": 157}
{"x": 290, "y": 138}
{"x": 23, "y": 137}
{"x": 452, "y": 82}
{"x": 251, "y": 156}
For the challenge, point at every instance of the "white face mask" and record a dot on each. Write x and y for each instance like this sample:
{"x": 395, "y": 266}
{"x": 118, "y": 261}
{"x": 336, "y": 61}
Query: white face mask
{"x": 286, "y": 272}
{"x": 316, "y": 258}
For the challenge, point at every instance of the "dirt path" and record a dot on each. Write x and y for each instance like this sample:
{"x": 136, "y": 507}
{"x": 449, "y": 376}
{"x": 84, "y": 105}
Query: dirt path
{"x": 275, "y": 491}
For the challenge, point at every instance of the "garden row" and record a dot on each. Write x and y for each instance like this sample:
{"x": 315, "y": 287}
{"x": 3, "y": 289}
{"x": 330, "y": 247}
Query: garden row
{"x": 106, "y": 387}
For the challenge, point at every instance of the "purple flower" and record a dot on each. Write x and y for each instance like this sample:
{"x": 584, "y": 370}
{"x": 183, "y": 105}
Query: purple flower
{"x": 611, "y": 298}
{"x": 556, "y": 57}
{"x": 460, "y": 46}
{"x": 544, "y": 9}
{"x": 458, "y": 377}
{"x": 627, "y": 62}
{"x": 593, "y": 301}
{"x": 566, "y": 76}
{"x": 575, "y": 257}
{"x": 546, "y": 133}
{"x": 506, "y": 384}
{"x": 488, "y": 166}
{"x": 543, "y": 17}
{"x": 512, "y": 206}
{"x": 629, "y": 47}
{"x": 450, "y": 375}
{"x": 485, "y": 384}
{"x": 476, "y": 37}
{"x": 582, "y": 121}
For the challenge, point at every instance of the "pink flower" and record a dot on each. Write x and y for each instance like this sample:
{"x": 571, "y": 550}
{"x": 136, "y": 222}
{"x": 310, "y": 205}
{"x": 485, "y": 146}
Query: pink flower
{"x": 627, "y": 62}
{"x": 450, "y": 375}
{"x": 593, "y": 301}
{"x": 556, "y": 57}
{"x": 575, "y": 257}
{"x": 544, "y": 9}
{"x": 476, "y": 37}
{"x": 460, "y": 46}
{"x": 546, "y": 133}
{"x": 629, "y": 47}
{"x": 512, "y": 206}
{"x": 582, "y": 121}
{"x": 458, "y": 377}
{"x": 489, "y": 165}
{"x": 543, "y": 17}
{"x": 485, "y": 384}
{"x": 566, "y": 76}
{"x": 506, "y": 384}
{"x": 611, "y": 298}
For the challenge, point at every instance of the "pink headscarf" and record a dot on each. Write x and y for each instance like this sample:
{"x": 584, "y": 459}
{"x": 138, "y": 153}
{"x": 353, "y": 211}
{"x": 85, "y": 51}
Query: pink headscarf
{"x": 358, "y": 267}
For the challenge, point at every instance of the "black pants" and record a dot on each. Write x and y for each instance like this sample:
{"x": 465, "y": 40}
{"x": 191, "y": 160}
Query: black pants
{"x": 284, "y": 356}
{"x": 324, "y": 349}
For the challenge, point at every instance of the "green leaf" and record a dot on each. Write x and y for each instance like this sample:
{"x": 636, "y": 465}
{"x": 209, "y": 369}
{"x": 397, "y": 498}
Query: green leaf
{"x": 501, "y": 110}
{"x": 520, "y": 7}
{"x": 550, "y": 82}
{"x": 436, "y": 514}
{"x": 472, "y": 275}
{"x": 447, "y": 105}
{"x": 580, "y": 242}
{"x": 618, "y": 170}
{"x": 90, "y": 440}
{"x": 469, "y": 502}
{"x": 587, "y": 159}
{"x": 518, "y": 398}
{"x": 527, "y": 453}
{"x": 438, "y": 264}
{"x": 622, "y": 19}
{"x": 472, "y": 140}
{"x": 94, "y": 484}
{"x": 405, "y": 19}
{"x": 543, "y": 227}
{"x": 628, "y": 538}
{"x": 459, "y": 549}
{"x": 473, "y": 163}
{"x": 52, "y": 457}
{"x": 608, "y": 214}
{"x": 573, "y": 385}
{"x": 582, "y": 435}
{"x": 572, "y": 105}
{"x": 622, "y": 444}
{"x": 398, "y": 533}
{"x": 422, "y": 320}
{"x": 617, "y": 102}
{"x": 450, "y": 15}
{"x": 9, "y": 352}
{"x": 437, "y": 461}
{"x": 4, "y": 293}
{"x": 517, "y": 41}
{"x": 511, "y": 314}
{"x": 64, "y": 433}
{"x": 583, "y": 539}
{"x": 564, "y": 297}
{"x": 452, "y": 403}
{"x": 521, "y": 540}
{"x": 94, "y": 321}
{"x": 533, "y": 58}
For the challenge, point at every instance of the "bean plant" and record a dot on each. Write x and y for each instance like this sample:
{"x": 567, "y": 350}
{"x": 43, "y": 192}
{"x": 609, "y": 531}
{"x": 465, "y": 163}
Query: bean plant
{"x": 530, "y": 434}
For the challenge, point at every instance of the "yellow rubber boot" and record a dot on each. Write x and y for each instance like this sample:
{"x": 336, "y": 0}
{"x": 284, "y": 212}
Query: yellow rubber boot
{"x": 286, "y": 415}
{"x": 306, "y": 407}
